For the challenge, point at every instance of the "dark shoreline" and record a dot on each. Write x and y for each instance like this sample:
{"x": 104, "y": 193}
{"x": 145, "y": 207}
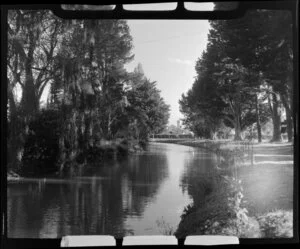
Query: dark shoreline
{"x": 109, "y": 150}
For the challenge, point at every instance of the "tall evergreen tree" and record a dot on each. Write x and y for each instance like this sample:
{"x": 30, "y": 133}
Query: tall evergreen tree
{"x": 247, "y": 61}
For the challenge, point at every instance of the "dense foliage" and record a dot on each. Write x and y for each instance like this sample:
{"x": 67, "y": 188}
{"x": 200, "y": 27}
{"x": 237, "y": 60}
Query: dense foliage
{"x": 41, "y": 147}
{"x": 81, "y": 64}
{"x": 244, "y": 78}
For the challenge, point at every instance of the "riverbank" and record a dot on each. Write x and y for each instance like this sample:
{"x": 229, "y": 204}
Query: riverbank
{"x": 266, "y": 188}
{"x": 105, "y": 150}
{"x": 211, "y": 145}
{"x": 230, "y": 154}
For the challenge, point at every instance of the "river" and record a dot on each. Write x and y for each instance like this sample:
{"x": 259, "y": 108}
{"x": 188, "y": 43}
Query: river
{"x": 144, "y": 194}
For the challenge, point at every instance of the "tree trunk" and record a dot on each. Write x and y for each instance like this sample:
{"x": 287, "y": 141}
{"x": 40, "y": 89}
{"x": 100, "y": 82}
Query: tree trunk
{"x": 109, "y": 125}
{"x": 258, "y": 119}
{"x": 29, "y": 100}
{"x": 62, "y": 154}
{"x": 213, "y": 135}
{"x": 275, "y": 110}
{"x": 68, "y": 141}
{"x": 86, "y": 131}
{"x": 14, "y": 142}
{"x": 238, "y": 130}
{"x": 289, "y": 118}
{"x": 289, "y": 123}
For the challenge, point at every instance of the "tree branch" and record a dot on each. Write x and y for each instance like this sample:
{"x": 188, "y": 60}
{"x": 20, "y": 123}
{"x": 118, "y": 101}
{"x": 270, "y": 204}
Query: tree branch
{"x": 270, "y": 105}
{"x": 229, "y": 119}
{"x": 41, "y": 89}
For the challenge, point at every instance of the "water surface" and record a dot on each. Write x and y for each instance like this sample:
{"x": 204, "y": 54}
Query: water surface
{"x": 144, "y": 194}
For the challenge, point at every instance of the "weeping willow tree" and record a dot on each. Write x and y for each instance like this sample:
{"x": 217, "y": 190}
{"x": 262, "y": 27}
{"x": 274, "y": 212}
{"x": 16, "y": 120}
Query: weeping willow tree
{"x": 89, "y": 81}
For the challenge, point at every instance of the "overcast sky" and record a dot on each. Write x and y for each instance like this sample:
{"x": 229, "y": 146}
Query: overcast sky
{"x": 168, "y": 50}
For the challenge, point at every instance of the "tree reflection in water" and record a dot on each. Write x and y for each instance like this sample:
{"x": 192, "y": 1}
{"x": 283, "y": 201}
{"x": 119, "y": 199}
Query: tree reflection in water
{"x": 199, "y": 174}
{"x": 98, "y": 202}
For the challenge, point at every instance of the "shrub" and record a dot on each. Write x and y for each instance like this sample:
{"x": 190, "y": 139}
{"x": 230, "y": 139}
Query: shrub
{"x": 277, "y": 224}
{"x": 222, "y": 212}
{"x": 190, "y": 208}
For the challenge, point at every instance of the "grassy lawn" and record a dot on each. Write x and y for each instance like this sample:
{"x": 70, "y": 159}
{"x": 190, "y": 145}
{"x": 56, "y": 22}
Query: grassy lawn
{"x": 268, "y": 185}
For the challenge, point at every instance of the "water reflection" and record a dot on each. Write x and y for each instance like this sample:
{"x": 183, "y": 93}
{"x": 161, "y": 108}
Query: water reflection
{"x": 198, "y": 175}
{"x": 117, "y": 198}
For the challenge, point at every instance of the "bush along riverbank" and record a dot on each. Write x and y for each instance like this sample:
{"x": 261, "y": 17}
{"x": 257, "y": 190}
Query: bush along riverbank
{"x": 43, "y": 155}
{"x": 41, "y": 159}
{"x": 55, "y": 148}
{"x": 223, "y": 210}
{"x": 38, "y": 165}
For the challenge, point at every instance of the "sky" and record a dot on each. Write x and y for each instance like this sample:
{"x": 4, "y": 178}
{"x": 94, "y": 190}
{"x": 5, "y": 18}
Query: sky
{"x": 168, "y": 51}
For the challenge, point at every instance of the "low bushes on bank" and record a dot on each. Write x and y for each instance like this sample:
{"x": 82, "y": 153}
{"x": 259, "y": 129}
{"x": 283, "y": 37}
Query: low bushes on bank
{"x": 277, "y": 224}
{"x": 222, "y": 212}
